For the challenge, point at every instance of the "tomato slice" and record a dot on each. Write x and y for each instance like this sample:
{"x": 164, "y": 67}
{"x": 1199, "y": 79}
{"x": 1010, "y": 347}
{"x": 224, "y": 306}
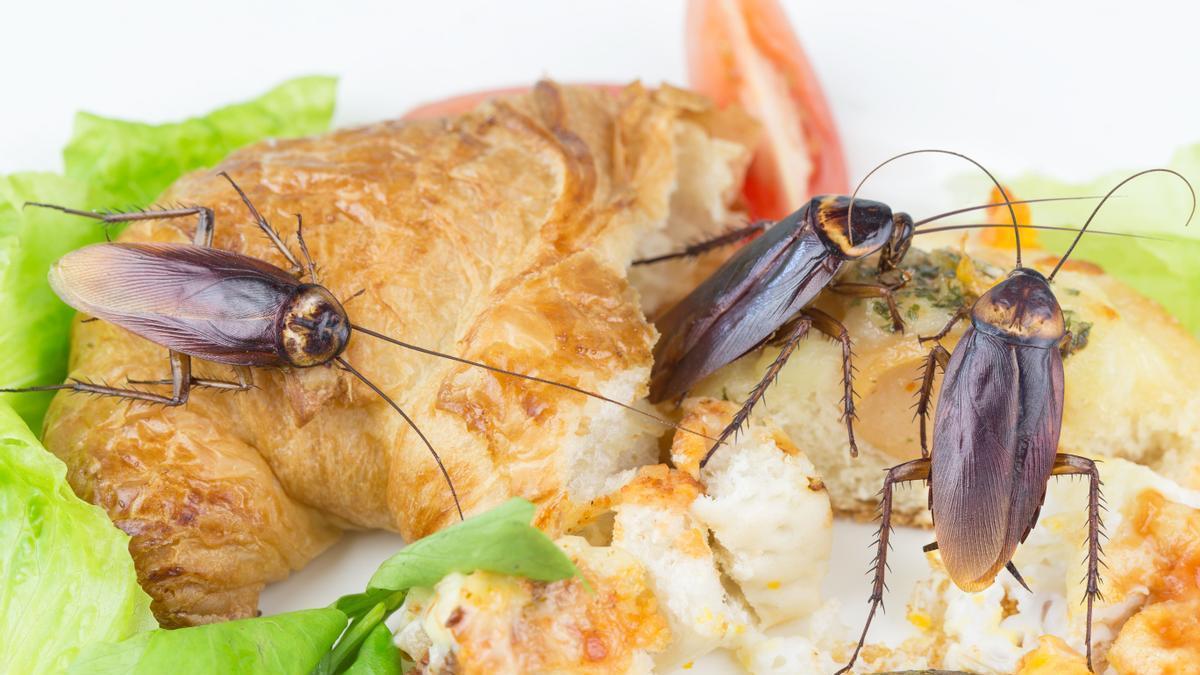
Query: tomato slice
{"x": 465, "y": 102}
{"x": 744, "y": 52}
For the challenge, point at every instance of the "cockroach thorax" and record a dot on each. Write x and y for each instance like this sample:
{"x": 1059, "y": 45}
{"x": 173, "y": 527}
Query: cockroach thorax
{"x": 1021, "y": 309}
{"x": 851, "y": 238}
{"x": 313, "y": 327}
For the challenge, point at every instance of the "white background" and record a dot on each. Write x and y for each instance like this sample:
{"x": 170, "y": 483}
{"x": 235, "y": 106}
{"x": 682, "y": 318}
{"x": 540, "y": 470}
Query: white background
{"x": 1072, "y": 89}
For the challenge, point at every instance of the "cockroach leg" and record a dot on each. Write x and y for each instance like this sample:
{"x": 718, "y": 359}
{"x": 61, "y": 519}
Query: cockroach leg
{"x": 243, "y": 383}
{"x": 917, "y": 469}
{"x": 312, "y": 268}
{"x": 834, "y": 329}
{"x": 790, "y": 335}
{"x": 1065, "y": 465}
{"x": 938, "y": 356}
{"x": 731, "y": 237}
{"x": 204, "y": 223}
{"x": 181, "y": 370}
{"x": 962, "y": 313}
{"x": 876, "y": 290}
{"x": 204, "y": 229}
{"x": 266, "y": 227}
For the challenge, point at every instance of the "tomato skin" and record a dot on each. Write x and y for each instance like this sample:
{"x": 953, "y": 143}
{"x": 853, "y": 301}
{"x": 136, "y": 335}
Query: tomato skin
{"x": 744, "y": 52}
{"x": 458, "y": 104}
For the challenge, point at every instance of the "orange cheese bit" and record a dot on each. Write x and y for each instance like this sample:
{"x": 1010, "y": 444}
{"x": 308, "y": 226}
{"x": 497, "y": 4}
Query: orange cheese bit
{"x": 1003, "y": 237}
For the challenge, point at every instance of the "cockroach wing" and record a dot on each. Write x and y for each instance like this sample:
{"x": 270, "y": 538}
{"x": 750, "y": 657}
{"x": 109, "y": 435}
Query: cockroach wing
{"x": 1040, "y": 423}
{"x": 740, "y": 305}
{"x": 994, "y": 439}
{"x": 205, "y": 302}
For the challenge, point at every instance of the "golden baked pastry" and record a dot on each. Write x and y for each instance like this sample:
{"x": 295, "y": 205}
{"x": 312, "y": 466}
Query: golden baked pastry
{"x": 502, "y": 235}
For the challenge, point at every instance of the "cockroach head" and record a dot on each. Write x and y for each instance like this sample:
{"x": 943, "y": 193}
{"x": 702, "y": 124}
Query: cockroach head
{"x": 313, "y": 327}
{"x": 852, "y": 237}
{"x": 1021, "y": 309}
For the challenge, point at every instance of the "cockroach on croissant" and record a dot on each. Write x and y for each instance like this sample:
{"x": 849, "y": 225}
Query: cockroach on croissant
{"x": 995, "y": 435}
{"x": 220, "y": 306}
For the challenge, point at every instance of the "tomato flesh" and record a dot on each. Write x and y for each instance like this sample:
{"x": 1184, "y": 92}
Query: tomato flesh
{"x": 744, "y": 52}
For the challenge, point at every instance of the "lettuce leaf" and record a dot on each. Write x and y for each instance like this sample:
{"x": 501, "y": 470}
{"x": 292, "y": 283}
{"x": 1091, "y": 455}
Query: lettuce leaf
{"x": 34, "y": 338}
{"x": 1155, "y": 205}
{"x": 67, "y": 576}
{"x": 320, "y": 641}
{"x": 113, "y": 164}
{"x": 377, "y": 656}
{"x": 501, "y": 540}
{"x": 135, "y": 162}
{"x": 285, "y": 643}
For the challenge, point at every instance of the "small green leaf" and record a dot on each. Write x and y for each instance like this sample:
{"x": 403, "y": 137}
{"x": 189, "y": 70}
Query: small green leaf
{"x": 501, "y": 540}
{"x": 358, "y": 604}
{"x": 348, "y": 645}
{"x": 282, "y": 644}
{"x": 377, "y": 656}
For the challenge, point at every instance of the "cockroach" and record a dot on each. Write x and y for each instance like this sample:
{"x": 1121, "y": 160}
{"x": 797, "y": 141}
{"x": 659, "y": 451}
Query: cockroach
{"x": 995, "y": 434}
{"x": 228, "y": 308}
{"x": 762, "y": 294}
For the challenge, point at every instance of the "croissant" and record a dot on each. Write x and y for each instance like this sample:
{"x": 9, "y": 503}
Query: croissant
{"x": 504, "y": 236}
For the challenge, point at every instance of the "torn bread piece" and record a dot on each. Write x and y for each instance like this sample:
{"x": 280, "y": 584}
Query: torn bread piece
{"x": 766, "y": 507}
{"x": 735, "y": 548}
{"x": 1132, "y": 375}
{"x": 654, "y": 522}
{"x": 484, "y": 623}
{"x": 1150, "y": 586}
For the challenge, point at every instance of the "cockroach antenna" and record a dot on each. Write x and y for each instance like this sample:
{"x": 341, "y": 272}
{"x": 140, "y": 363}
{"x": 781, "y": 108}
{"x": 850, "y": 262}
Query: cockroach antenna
{"x": 1051, "y": 228}
{"x": 1096, "y": 210}
{"x": 437, "y": 458}
{"x": 956, "y": 212}
{"x": 531, "y": 378}
{"x": 1003, "y": 193}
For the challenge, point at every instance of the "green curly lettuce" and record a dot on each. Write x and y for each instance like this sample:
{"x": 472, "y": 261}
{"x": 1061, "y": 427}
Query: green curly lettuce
{"x": 67, "y": 576}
